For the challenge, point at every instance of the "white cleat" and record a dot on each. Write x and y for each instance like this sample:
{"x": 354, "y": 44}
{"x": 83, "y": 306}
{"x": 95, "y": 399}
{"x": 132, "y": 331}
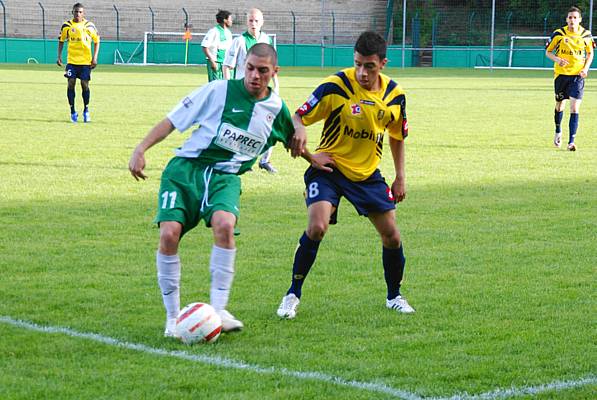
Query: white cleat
{"x": 288, "y": 306}
{"x": 229, "y": 322}
{"x": 557, "y": 139}
{"x": 571, "y": 147}
{"x": 400, "y": 304}
{"x": 170, "y": 328}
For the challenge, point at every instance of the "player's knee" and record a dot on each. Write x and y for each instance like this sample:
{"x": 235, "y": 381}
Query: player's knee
{"x": 317, "y": 230}
{"x": 85, "y": 85}
{"x": 169, "y": 239}
{"x": 223, "y": 229}
{"x": 391, "y": 240}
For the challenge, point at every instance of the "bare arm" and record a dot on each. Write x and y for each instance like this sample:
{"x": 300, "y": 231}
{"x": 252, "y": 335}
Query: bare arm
{"x": 95, "y": 53}
{"x": 155, "y": 135}
{"x": 322, "y": 161}
{"x": 226, "y": 71}
{"x": 276, "y": 84}
{"x": 210, "y": 58}
{"x": 59, "y": 59}
{"x": 399, "y": 184}
{"x": 560, "y": 61}
{"x": 588, "y": 62}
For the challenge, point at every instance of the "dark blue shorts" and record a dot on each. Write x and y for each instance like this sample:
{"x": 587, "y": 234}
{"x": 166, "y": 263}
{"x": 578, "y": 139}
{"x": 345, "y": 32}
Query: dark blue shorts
{"x": 83, "y": 72}
{"x": 568, "y": 86}
{"x": 370, "y": 195}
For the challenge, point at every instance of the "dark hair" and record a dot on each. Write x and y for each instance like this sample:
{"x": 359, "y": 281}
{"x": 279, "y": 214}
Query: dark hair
{"x": 370, "y": 43}
{"x": 77, "y": 5}
{"x": 574, "y": 9}
{"x": 222, "y": 15}
{"x": 264, "y": 50}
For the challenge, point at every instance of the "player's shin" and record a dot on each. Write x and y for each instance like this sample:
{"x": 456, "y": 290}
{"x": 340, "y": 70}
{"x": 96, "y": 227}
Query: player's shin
{"x": 221, "y": 267}
{"x": 304, "y": 257}
{"x": 86, "y": 96}
{"x": 393, "y": 265}
{"x": 558, "y": 115}
{"x": 169, "y": 281}
{"x": 573, "y": 126}
{"x": 70, "y": 95}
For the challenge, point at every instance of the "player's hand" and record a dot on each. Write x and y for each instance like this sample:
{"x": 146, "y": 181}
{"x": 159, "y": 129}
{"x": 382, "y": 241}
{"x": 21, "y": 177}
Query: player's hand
{"x": 399, "y": 190}
{"x": 583, "y": 73}
{"x": 214, "y": 66}
{"x": 137, "y": 165}
{"x": 93, "y": 63}
{"x": 323, "y": 161}
{"x": 562, "y": 62}
{"x": 298, "y": 142}
{"x": 59, "y": 62}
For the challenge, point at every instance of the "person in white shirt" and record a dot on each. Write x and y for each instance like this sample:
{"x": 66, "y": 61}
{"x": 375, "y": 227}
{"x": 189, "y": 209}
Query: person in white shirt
{"x": 215, "y": 43}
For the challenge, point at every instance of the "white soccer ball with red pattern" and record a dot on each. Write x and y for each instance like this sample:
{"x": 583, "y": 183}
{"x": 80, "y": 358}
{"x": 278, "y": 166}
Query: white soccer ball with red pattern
{"x": 198, "y": 322}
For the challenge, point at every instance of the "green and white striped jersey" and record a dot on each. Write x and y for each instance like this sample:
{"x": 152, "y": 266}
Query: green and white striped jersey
{"x": 233, "y": 128}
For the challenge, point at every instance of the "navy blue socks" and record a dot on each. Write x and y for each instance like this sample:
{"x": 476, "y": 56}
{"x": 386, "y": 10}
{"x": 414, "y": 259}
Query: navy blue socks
{"x": 304, "y": 257}
{"x": 393, "y": 266}
{"x": 573, "y": 125}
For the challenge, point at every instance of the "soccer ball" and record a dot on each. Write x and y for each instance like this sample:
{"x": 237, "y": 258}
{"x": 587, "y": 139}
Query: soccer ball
{"x": 198, "y": 322}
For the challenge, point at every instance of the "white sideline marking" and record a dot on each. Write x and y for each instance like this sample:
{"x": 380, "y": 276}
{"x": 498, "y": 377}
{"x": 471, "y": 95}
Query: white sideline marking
{"x": 317, "y": 376}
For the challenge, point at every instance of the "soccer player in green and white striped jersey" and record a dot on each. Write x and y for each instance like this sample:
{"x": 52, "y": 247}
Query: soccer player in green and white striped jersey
{"x": 237, "y": 121}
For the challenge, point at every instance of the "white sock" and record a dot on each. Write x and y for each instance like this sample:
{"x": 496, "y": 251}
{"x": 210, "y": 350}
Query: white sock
{"x": 169, "y": 281}
{"x": 221, "y": 267}
{"x": 266, "y": 156}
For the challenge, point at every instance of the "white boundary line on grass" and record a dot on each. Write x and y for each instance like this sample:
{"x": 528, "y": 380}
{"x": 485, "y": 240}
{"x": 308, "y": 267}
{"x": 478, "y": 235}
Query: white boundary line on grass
{"x": 317, "y": 376}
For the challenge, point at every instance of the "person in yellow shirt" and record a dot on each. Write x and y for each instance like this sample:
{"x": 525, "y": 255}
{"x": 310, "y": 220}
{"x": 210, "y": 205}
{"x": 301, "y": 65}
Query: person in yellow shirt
{"x": 571, "y": 50}
{"x": 80, "y": 34}
{"x": 359, "y": 105}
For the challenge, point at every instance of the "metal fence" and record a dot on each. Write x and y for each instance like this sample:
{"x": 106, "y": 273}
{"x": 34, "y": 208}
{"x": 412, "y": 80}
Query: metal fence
{"x": 428, "y": 31}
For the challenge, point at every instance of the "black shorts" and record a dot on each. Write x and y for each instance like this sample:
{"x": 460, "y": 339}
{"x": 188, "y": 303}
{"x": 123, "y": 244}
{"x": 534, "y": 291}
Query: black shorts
{"x": 83, "y": 72}
{"x": 371, "y": 195}
{"x": 567, "y": 86}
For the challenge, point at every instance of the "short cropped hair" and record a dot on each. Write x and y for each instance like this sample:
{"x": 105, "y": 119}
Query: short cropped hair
{"x": 222, "y": 15}
{"x": 77, "y": 5}
{"x": 264, "y": 50}
{"x": 370, "y": 43}
{"x": 574, "y": 9}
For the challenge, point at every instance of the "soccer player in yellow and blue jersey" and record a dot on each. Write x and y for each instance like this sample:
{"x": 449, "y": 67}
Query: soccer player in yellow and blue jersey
{"x": 571, "y": 50}
{"x": 359, "y": 105}
{"x": 80, "y": 34}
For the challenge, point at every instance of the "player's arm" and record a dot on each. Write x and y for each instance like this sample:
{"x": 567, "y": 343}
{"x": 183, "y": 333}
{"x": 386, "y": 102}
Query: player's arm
{"x": 298, "y": 146}
{"x": 399, "y": 184}
{"x": 96, "y": 48}
{"x": 60, "y": 47}
{"x": 558, "y": 60}
{"x": 210, "y": 58}
{"x": 155, "y": 135}
{"x": 588, "y": 62}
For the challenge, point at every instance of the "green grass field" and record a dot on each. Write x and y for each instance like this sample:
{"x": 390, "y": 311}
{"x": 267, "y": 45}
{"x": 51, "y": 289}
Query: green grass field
{"x": 500, "y": 233}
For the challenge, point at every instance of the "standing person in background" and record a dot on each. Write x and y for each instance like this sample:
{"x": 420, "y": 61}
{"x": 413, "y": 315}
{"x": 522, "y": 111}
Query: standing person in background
{"x": 215, "y": 43}
{"x": 235, "y": 59}
{"x": 79, "y": 33}
{"x": 571, "y": 50}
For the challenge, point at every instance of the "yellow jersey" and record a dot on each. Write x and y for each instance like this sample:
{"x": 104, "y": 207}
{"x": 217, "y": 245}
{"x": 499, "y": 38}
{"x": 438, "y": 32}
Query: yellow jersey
{"x": 571, "y": 46}
{"x": 79, "y": 36}
{"x": 355, "y": 121}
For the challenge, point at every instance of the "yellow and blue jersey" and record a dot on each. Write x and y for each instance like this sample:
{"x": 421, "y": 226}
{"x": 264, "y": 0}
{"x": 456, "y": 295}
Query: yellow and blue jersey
{"x": 573, "y": 47}
{"x": 356, "y": 120}
{"x": 79, "y": 36}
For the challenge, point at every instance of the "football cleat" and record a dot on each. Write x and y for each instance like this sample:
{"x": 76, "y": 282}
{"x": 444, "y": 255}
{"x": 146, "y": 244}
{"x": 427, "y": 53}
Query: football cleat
{"x": 268, "y": 167}
{"x": 170, "y": 328}
{"x": 229, "y": 322}
{"x": 288, "y": 306}
{"x": 571, "y": 147}
{"x": 400, "y": 304}
{"x": 86, "y": 116}
{"x": 557, "y": 139}
{"x": 74, "y": 116}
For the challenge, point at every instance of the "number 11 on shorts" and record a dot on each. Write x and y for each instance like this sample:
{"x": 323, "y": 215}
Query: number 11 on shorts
{"x": 168, "y": 195}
